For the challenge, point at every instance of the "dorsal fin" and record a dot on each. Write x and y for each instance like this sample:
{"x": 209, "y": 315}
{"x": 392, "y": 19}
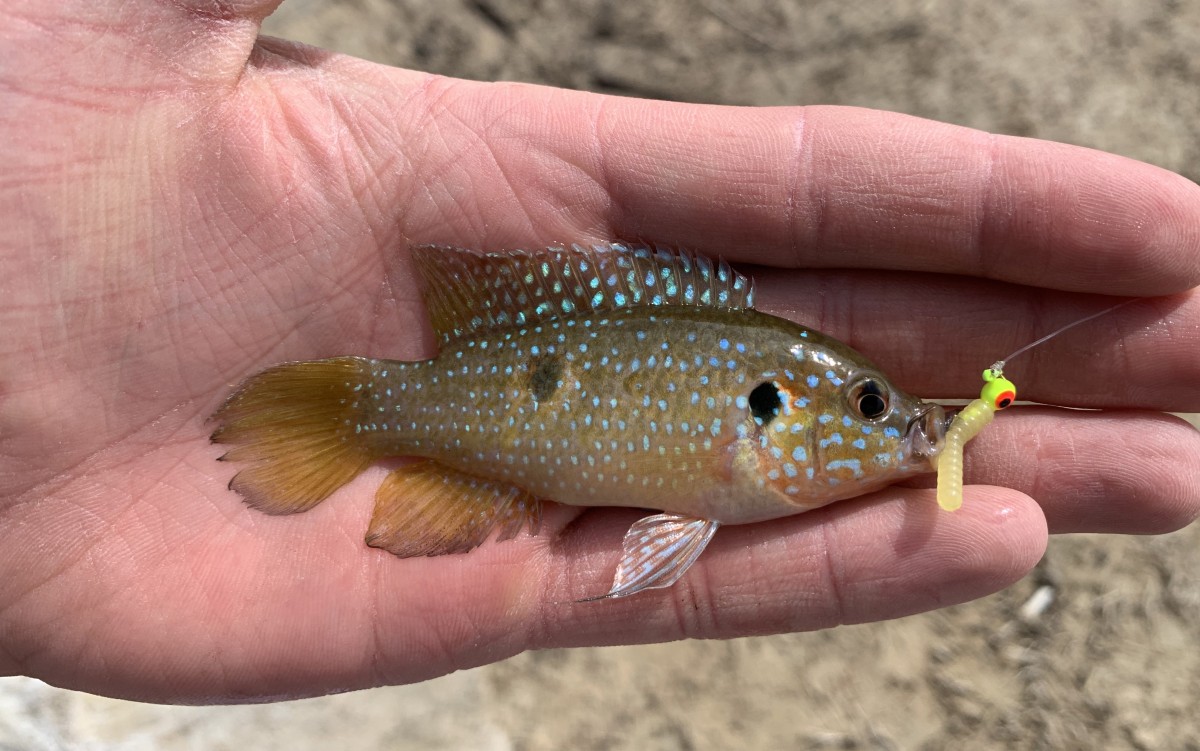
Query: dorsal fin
{"x": 467, "y": 292}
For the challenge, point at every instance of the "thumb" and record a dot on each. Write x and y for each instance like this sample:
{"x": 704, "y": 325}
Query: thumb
{"x": 92, "y": 49}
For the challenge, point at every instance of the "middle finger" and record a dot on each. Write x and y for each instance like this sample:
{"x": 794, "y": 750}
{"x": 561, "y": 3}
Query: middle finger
{"x": 934, "y": 335}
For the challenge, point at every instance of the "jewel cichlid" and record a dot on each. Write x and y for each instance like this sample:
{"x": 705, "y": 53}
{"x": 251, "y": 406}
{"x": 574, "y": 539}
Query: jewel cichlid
{"x": 612, "y": 375}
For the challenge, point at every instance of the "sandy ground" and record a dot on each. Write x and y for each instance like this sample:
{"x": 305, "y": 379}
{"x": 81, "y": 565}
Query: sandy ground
{"x": 1110, "y": 662}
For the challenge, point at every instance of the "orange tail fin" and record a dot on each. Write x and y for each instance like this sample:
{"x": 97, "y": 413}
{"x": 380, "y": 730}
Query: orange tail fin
{"x": 294, "y": 425}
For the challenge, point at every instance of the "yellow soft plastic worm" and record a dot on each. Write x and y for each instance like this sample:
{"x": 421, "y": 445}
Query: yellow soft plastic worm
{"x": 998, "y": 392}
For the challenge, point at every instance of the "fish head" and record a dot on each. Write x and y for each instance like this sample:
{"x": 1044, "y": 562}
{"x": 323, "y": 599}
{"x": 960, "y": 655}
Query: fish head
{"x": 820, "y": 423}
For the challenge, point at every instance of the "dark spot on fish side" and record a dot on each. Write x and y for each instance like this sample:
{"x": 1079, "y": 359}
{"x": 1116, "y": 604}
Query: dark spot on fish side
{"x": 632, "y": 383}
{"x": 545, "y": 375}
{"x": 765, "y": 402}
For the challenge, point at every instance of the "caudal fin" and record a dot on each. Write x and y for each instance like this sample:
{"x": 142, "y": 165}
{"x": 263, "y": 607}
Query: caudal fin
{"x": 294, "y": 427}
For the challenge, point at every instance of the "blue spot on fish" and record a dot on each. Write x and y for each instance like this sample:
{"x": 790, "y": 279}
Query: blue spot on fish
{"x": 854, "y": 465}
{"x": 813, "y": 381}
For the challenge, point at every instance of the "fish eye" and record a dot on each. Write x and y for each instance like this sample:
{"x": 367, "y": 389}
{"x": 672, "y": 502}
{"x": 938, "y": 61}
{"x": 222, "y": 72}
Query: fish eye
{"x": 869, "y": 397}
{"x": 765, "y": 402}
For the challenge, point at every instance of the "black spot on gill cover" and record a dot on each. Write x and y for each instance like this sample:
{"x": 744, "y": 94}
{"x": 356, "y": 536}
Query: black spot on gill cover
{"x": 765, "y": 402}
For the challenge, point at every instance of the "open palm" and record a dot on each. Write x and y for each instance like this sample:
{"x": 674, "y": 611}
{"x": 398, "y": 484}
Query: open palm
{"x": 182, "y": 204}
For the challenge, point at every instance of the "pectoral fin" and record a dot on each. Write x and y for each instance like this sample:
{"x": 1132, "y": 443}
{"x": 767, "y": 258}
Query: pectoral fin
{"x": 657, "y": 551}
{"x": 430, "y": 509}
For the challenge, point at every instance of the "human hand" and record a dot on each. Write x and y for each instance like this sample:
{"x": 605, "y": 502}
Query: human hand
{"x": 184, "y": 204}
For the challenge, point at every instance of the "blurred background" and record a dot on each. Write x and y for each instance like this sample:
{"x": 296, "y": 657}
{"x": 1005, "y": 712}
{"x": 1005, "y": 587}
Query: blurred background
{"x": 1095, "y": 649}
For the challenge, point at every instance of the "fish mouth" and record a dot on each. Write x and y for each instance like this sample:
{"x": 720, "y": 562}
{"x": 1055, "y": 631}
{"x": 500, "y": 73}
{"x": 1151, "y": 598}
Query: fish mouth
{"x": 926, "y": 432}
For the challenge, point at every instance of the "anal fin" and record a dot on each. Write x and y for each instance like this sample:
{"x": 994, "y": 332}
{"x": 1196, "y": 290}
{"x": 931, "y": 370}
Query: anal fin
{"x": 657, "y": 551}
{"x": 427, "y": 508}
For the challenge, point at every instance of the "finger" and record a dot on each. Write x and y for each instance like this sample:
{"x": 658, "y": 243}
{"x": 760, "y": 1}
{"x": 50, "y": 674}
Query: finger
{"x": 884, "y": 556}
{"x": 810, "y": 187}
{"x": 1130, "y": 472}
{"x": 934, "y": 336}
{"x": 837, "y": 187}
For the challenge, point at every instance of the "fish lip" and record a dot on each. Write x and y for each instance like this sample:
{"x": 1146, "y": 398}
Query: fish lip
{"x": 926, "y": 431}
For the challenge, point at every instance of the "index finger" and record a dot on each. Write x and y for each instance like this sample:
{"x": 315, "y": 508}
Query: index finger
{"x": 833, "y": 187}
{"x": 852, "y": 188}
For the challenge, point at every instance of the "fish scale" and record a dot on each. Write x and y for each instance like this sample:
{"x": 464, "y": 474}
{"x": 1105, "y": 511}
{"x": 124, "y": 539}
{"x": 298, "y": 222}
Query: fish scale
{"x": 604, "y": 376}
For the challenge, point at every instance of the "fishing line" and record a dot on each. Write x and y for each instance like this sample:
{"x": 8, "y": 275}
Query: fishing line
{"x": 998, "y": 366}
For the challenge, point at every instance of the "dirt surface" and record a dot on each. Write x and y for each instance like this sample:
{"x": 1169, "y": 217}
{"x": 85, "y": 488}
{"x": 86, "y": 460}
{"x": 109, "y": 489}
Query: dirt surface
{"x": 1096, "y": 649}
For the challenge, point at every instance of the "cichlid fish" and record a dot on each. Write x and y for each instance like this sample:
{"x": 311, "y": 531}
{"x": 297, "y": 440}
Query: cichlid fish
{"x": 612, "y": 375}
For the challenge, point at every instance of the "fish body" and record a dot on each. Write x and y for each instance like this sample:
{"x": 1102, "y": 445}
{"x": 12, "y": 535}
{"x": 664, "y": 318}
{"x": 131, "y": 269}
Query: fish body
{"x": 605, "y": 376}
{"x": 736, "y": 417}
